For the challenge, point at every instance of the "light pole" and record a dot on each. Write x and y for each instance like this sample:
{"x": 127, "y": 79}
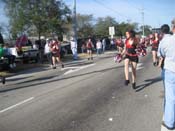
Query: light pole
{"x": 74, "y": 22}
{"x": 143, "y": 28}
{"x": 74, "y": 41}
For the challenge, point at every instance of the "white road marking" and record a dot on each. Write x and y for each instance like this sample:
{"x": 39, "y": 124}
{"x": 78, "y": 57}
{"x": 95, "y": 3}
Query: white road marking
{"x": 72, "y": 62}
{"x": 78, "y": 68}
{"x": 69, "y": 68}
{"x": 110, "y": 119}
{"x": 18, "y": 104}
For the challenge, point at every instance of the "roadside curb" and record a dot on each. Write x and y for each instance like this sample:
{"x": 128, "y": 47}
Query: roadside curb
{"x": 21, "y": 67}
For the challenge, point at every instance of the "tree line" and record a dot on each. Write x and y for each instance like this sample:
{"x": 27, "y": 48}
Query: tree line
{"x": 54, "y": 17}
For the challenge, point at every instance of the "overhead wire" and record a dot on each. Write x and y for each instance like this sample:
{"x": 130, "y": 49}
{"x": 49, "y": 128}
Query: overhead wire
{"x": 111, "y": 9}
{"x": 141, "y": 9}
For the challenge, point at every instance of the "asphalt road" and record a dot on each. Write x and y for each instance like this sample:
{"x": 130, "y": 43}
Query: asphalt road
{"x": 85, "y": 96}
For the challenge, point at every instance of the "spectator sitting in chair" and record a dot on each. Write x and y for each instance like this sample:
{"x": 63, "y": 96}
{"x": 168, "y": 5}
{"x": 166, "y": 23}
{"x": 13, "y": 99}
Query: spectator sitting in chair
{"x": 9, "y": 56}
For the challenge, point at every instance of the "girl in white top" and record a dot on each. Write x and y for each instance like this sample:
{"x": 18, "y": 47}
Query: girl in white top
{"x": 99, "y": 47}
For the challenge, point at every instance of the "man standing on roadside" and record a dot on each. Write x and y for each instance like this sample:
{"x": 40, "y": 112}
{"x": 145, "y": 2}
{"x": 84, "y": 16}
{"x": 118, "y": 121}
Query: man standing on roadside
{"x": 73, "y": 44}
{"x": 103, "y": 45}
{"x": 167, "y": 52}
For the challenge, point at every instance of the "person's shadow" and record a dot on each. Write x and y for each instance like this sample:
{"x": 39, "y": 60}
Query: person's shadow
{"x": 148, "y": 83}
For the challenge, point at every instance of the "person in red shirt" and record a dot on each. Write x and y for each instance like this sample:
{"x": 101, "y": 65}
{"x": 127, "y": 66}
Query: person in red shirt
{"x": 55, "y": 48}
{"x": 89, "y": 47}
{"x": 119, "y": 44}
{"x": 155, "y": 45}
{"x": 130, "y": 57}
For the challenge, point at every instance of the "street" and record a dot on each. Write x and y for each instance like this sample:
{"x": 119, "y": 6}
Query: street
{"x": 84, "y": 96}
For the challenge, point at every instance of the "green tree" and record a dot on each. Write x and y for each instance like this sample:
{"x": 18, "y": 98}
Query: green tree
{"x": 84, "y": 25}
{"x": 147, "y": 30}
{"x": 37, "y": 16}
{"x": 102, "y": 26}
{"x": 123, "y": 27}
{"x": 1, "y": 29}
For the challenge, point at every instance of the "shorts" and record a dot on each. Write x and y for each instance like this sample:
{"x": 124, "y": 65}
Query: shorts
{"x": 132, "y": 58}
{"x": 89, "y": 49}
{"x": 154, "y": 49}
{"x": 55, "y": 54}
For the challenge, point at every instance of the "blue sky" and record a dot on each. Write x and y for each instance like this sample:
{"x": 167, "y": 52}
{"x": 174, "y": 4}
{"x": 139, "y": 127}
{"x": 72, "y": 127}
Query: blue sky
{"x": 3, "y": 18}
{"x": 156, "y": 12}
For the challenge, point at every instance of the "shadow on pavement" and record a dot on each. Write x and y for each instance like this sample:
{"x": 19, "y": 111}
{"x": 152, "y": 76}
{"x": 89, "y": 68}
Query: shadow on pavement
{"x": 78, "y": 63}
{"x": 149, "y": 82}
{"x": 50, "y": 77}
{"x": 32, "y": 70}
{"x": 16, "y": 79}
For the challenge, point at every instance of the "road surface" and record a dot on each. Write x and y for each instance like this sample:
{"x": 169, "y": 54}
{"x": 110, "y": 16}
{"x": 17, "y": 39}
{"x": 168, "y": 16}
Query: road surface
{"x": 85, "y": 96}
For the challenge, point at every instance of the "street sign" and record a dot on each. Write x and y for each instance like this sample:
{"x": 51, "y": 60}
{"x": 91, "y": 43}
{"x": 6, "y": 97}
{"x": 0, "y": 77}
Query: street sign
{"x": 111, "y": 31}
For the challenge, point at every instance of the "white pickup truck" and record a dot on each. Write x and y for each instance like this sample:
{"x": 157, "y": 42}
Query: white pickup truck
{"x": 26, "y": 55}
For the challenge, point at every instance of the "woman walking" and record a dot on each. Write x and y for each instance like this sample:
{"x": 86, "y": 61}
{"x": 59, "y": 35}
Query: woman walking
{"x": 155, "y": 44}
{"x": 55, "y": 50}
{"x": 89, "y": 47}
{"x": 130, "y": 57}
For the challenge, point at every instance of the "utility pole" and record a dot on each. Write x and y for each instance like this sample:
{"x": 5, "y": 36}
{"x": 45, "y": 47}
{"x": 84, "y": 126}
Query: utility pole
{"x": 74, "y": 22}
{"x": 143, "y": 28}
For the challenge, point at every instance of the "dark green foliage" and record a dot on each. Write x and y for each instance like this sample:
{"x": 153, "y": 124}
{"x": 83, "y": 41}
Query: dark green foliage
{"x": 37, "y": 17}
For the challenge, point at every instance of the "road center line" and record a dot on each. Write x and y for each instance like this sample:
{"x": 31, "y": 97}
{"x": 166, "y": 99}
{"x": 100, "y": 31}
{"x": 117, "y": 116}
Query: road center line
{"x": 18, "y": 104}
{"x": 78, "y": 68}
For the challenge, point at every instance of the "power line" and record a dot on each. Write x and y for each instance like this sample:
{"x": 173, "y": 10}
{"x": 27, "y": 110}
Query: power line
{"x": 104, "y": 5}
{"x": 146, "y": 12}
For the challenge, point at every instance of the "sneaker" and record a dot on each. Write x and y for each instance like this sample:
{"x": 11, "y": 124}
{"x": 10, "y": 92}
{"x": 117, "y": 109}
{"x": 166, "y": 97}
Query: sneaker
{"x": 3, "y": 80}
{"x": 54, "y": 67}
{"x": 62, "y": 66}
{"x": 134, "y": 85}
{"x": 169, "y": 128}
{"x": 127, "y": 82}
{"x": 154, "y": 63}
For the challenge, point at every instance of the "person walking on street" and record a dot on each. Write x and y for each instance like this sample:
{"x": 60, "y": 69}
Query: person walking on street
{"x": 89, "y": 47}
{"x": 55, "y": 50}
{"x": 103, "y": 45}
{"x": 130, "y": 57}
{"x": 119, "y": 44}
{"x": 73, "y": 44}
{"x": 47, "y": 52}
{"x": 83, "y": 47}
{"x": 112, "y": 44}
{"x": 155, "y": 44}
{"x": 166, "y": 51}
{"x": 99, "y": 47}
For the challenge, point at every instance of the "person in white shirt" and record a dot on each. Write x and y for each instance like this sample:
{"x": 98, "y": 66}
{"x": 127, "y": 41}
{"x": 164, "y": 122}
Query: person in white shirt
{"x": 104, "y": 45}
{"x": 73, "y": 44}
{"x": 47, "y": 52}
{"x": 166, "y": 51}
{"x": 99, "y": 47}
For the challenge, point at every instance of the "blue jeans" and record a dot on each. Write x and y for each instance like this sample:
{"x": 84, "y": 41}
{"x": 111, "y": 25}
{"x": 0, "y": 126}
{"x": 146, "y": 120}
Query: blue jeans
{"x": 74, "y": 52}
{"x": 98, "y": 51}
{"x": 169, "y": 113}
{"x": 163, "y": 75}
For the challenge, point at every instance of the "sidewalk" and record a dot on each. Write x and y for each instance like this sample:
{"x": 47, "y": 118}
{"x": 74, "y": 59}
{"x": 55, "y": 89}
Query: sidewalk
{"x": 68, "y": 58}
